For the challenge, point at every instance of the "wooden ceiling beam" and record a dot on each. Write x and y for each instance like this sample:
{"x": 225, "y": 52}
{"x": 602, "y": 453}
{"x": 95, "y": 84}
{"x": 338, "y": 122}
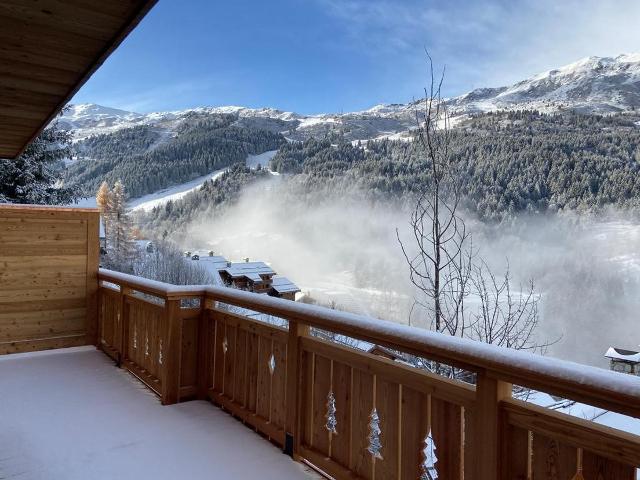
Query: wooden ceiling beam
{"x": 48, "y": 49}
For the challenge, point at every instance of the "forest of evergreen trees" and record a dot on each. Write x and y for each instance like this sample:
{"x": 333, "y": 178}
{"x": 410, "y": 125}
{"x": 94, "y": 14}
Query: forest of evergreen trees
{"x": 507, "y": 162}
{"x": 147, "y": 159}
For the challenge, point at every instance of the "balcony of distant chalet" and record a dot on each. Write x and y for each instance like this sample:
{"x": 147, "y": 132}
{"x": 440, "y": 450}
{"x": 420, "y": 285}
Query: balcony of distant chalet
{"x": 105, "y": 375}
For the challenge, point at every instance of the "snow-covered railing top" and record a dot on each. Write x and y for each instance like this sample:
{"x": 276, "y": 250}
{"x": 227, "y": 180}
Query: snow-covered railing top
{"x": 603, "y": 388}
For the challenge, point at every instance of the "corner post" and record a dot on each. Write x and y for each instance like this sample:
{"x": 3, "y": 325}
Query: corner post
{"x": 204, "y": 334}
{"x": 171, "y": 352}
{"x": 488, "y": 426}
{"x": 122, "y": 325}
{"x": 294, "y": 387}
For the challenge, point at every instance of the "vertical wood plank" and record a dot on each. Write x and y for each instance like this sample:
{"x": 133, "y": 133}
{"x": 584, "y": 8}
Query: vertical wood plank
{"x": 264, "y": 378}
{"x": 279, "y": 386}
{"x": 252, "y": 371}
{"x": 218, "y": 365}
{"x": 446, "y": 429}
{"x": 321, "y": 387}
{"x": 340, "y": 441}
{"x": 361, "y": 412}
{"x": 306, "y": 420}
{"x": 489, "y": 393}
{"x": 553, "y": 460}
{"x": 93, "y": 260}
{"x": 517, "y": 454}
{"x": 296, "y": 382}
{"x": 239, "y": 391}
{"x": 387, "y": 404}
{"x": 229, "y": 360}
{"x": 415, "y": 427}
{"x": 599, "y": 468}
{"x": 203, "y": 340}
{"x": 171, "y": 356}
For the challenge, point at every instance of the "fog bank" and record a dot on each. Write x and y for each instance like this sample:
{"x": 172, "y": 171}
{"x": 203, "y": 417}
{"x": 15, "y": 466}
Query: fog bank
{"x": 343, "y": 250}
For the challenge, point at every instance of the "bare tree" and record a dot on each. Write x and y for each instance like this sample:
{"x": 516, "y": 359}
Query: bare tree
{"x": 464, "y": 297}
{"x": 440, "y": 266}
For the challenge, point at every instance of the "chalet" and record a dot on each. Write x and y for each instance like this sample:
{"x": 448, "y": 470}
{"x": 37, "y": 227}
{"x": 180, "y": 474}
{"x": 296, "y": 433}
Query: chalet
{"x": 282, "y": 287}
{"x": 625, "y": 361}
{"x": 251, "y": 276}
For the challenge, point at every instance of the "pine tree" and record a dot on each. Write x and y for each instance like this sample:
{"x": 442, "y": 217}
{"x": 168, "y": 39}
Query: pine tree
{"x": 35, "y": 176}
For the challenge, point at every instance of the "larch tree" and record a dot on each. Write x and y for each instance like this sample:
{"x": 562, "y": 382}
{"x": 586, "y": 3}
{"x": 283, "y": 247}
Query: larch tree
{"x": 104, "y": 200}
{"x": 121, "y": 248}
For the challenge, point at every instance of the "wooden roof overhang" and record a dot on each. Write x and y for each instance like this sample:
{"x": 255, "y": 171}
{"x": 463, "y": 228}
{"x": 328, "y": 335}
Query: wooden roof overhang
{"x": 48, "y": 50}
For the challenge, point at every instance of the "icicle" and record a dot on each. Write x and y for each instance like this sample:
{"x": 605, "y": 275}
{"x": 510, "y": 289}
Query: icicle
{"x": 375, "y": 446}
{"x": 332, "y": 423}
{"x": 272, "y": 364}
{"x": 429, "y": 471}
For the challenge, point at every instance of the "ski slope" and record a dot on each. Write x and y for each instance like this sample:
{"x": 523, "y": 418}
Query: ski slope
{"x": 176, "y": 192}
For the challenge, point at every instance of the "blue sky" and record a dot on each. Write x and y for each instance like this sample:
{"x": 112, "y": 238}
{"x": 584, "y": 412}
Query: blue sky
{"x": 314, "y": 56}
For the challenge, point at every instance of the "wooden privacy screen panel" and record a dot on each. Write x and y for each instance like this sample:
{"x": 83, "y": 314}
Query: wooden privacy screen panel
{"x": 48, "y": 277}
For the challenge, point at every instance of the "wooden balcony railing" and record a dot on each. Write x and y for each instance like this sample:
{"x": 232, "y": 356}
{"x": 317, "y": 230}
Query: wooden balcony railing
{"x": 351, "y": 414}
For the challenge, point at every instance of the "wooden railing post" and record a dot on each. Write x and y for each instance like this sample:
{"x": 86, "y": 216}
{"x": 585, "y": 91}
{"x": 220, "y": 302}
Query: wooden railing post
{"x": 123, "y": 325}
{"x": 487, "y": 428}
{"x": 204, "y": 337}
{"x": 294, "y": 386}
{"x": 171, "y": 353}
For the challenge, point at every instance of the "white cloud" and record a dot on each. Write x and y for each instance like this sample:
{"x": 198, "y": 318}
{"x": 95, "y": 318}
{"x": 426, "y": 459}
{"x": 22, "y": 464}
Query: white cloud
{"x": 488, "y": 43}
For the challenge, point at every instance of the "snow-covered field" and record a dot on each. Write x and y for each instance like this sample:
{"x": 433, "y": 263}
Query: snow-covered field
{"x": 72, "y": 415}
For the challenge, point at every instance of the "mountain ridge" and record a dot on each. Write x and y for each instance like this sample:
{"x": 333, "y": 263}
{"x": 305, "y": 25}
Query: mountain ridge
{"x": 593, "y": 84}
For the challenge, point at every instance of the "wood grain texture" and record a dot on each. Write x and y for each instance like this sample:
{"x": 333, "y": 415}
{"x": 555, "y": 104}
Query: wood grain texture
{"x": 49, "y": 49}
{"x": 48, "y": 277}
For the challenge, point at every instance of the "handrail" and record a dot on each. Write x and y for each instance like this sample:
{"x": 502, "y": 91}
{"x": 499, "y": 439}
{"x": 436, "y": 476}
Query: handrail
{"x": 609, "y": 390}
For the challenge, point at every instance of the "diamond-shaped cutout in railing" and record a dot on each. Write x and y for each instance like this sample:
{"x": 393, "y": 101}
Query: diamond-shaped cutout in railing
{"x": 272, "y": 364}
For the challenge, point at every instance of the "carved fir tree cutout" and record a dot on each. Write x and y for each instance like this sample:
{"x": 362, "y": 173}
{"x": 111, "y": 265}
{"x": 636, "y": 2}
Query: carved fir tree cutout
{"x": 225, "y": 345}
{"x": 375, "y": 446}
{"x": 332, "y": 423}
{"x": 429, "y": 471}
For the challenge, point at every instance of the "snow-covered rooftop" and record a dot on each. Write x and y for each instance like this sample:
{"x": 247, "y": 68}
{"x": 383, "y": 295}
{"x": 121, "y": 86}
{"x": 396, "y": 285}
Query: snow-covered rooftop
{"x": 245, "y": 269}
{"x": 622, "y": 354}
{"x": 283, "y": 285}
{"x": 71, "y": 415}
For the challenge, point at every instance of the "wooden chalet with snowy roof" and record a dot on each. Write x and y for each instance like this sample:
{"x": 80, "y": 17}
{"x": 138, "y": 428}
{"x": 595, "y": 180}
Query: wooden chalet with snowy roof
{"x": 282, "y": 287}
{"x": 251, "y": 276}
{"x": 622, "y": 360}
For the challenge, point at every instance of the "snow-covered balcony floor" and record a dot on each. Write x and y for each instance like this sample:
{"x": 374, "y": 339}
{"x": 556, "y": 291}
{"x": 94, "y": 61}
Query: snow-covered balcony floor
{"x": 71, "y": 414}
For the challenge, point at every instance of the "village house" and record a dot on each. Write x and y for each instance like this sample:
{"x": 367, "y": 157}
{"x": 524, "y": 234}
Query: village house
{"x": 625, "y": 361}
{"x": 282, "y": 287}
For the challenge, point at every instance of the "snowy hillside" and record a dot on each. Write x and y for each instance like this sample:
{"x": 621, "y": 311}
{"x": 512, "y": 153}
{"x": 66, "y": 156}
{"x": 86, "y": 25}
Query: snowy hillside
{"x": 593, "y": 84}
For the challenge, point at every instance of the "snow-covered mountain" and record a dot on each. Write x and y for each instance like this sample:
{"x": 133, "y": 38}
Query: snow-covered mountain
{"x": 592, "y": 85}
